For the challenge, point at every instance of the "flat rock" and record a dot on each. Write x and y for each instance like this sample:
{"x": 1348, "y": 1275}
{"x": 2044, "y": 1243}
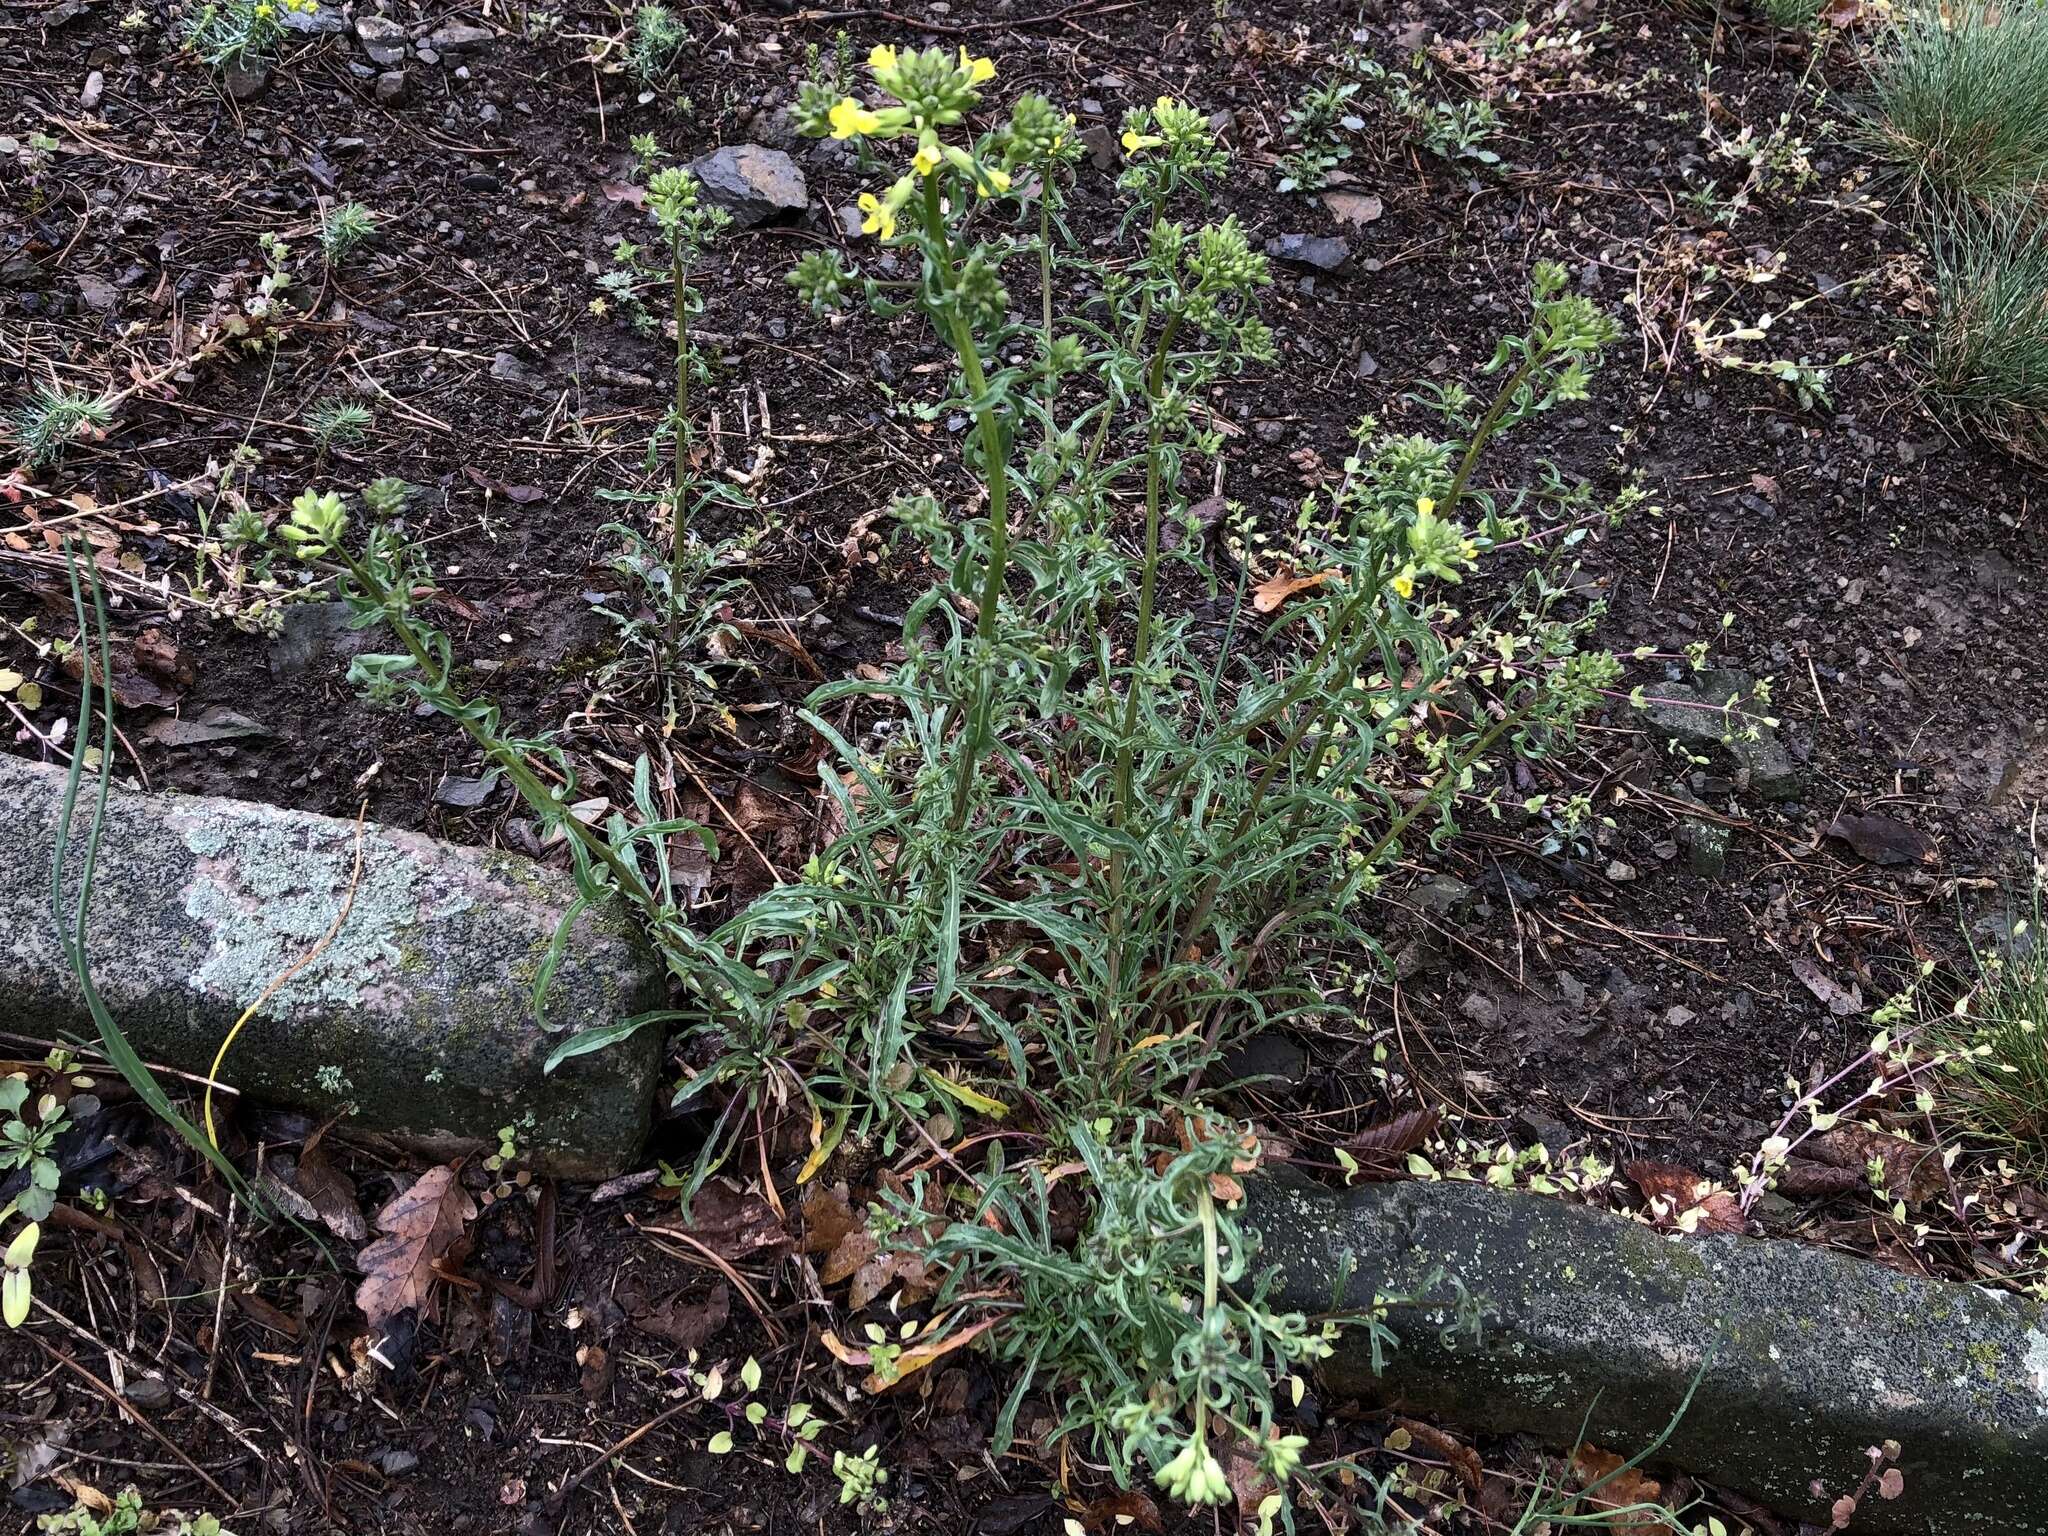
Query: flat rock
{"x": 311, "y": 632}
{"x": 245, "y": 83}
{"x": 1598, "y": 1324}
{"x": 1699, "y": 717}
{"x": 1326, "y": 253}
{"x": 458, "y": 37}
{"x": 382, "y": 38}
{"x": 752, "y": 182}
{"x": 318, "y": 22}
{"x": 419, "y": 1013}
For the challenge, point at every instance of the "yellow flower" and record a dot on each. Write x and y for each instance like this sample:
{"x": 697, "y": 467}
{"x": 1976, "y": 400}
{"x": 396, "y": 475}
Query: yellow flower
{"x": 1133, "y": 142}
{"x": 1165, "y": 104}
{"x": 978, "y": 70}
{"x": 992, "y": 182}
{"x": 883, "y": 57}
{"x": 850, "y": 119}
{"x": 879, "y": 218}
{"x": 1425, "y": 505}
{"x": 263, "y": 11}
{"x": 1468, "y": 551}
{"x": 926, "y": 160}
{"x": 1405, "y": 582}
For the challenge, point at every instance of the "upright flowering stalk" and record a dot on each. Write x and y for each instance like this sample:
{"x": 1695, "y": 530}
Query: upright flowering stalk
{"x": 923, "y": 95}
{"x": 689, "y": 225}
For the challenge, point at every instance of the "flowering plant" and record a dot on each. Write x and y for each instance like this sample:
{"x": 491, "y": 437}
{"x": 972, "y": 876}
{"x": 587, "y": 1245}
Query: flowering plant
{"x": 240, "y": 34}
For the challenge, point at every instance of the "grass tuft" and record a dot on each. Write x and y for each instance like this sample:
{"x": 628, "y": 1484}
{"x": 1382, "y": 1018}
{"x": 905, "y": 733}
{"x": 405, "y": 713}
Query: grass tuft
{"x": 1962, "y": 94}
{"x": 1989, "y": 357}
{"x": 1999, "y": 1034}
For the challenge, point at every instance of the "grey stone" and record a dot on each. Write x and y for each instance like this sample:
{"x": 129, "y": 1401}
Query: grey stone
{"x": 245, "y": 83}
{"x": 1102, "y": 147}
{"x": 2014, "y": 939}
{"x": 382, "y": 38}
{"x": 1442, "y": 896}
{"x": 1698, "y": 717}
{"x": 418, "y": 1013}
{"x": 1326, "y": 253}
{"x": 511, "y": 368}
{"x": 318, "y": 22}
{"x": 95, "y": 87}
{"x": 310, "y": 632}
{"x": 459, "y": 37}
{"x": 752, "y": 182}
{"x": 1597, "y": 1324}
{"x": 1706, "y": 847}
{"x": 391, "y": 85}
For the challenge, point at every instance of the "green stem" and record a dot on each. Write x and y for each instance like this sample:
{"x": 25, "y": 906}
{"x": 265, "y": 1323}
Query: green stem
{"x": 679, "y": 531}
{"x": 1488, "y": 425}
{"x": 1148, "y": 582}
{"x": 517, "y": 769}
{"x": 995, "y": 472}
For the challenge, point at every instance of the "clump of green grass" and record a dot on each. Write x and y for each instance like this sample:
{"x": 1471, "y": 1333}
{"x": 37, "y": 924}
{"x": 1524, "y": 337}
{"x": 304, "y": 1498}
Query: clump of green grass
{"x": 1961, "y": 91}
{"x": 1989, "y": 357}
{"x": 1998, "y": 1032}
{"x": 1792, "y": 15}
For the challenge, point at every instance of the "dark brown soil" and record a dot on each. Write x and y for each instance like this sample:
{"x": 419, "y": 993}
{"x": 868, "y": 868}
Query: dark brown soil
{"x": 1881, "y": 567}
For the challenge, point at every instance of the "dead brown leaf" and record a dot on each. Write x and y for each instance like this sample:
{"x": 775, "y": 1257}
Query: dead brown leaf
{"x": 1269, "y": 594}
{"x": 1392, "y": 1138}
{"x": 333, "y": 1198}
{"x": 734, "y": 1221}
{"x": 687, "y": 1325}
{"x": 1884, "y": 840}
{"x": 1912, "y": 1172}
{"x": 1826, "y": 988}
{"x": 420, "y": 1225}
{"x": 1688, "y": 1201}
{"x": 828, "y": 1218}
{"x": 1623, "y": 1488}
{"x": 1463, "y": 1459}
{"x": 1799, "y": 1180}
{"x": 852, "y": 1251}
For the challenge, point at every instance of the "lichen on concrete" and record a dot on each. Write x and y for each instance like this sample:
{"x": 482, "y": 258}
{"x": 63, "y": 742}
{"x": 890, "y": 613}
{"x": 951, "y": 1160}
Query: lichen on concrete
{"x": 1803, "y": 1358}
{"x": 417, "y": 1018}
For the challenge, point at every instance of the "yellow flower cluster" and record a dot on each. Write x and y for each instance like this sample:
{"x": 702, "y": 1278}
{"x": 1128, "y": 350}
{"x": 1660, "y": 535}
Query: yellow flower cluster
{"x": 1439, "y": 548}
{"x": 931, "y": 89}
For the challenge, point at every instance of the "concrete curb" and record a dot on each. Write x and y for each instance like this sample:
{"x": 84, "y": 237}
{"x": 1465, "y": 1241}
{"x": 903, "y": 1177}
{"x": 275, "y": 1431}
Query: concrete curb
{"x": 419, "y": 1014}
{"x": 1820, "y": 1355}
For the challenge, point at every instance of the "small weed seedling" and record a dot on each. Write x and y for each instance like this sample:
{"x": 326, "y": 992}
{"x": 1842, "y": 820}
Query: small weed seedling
{"x": 1454, "y": 129}
{"x": 1315, "y": 128}
{"x": 1996, "y": 1039}
{"x": 28, "y": 1132}
{"x": 128, "y": 1517}
{"x": 658, "y": 43}
{"x": 53, "y": 419}
{"x": 344, "y": 227}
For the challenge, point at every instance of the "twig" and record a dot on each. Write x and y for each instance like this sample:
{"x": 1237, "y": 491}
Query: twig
{"x": 219, "y": 1415}
{"x": 560, "y": 1496}
{"x": 132, "y": 1412}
